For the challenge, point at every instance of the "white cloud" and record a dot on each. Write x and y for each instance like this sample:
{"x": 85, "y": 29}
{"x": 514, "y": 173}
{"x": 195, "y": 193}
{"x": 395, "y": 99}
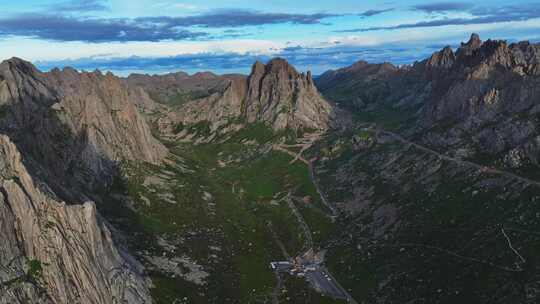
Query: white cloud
{"x": 26, "y": 48}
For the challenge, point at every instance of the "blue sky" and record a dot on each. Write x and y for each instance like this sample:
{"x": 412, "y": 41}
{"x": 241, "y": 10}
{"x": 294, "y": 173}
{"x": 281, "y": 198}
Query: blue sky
{"x": 159, "y": 36}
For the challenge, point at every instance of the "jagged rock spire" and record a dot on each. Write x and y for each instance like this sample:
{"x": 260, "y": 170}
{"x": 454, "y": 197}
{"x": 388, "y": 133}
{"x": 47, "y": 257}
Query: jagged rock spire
{"x": 467, "y": 49}
{"x": 474, "y": 42}
{"x": 284, "y": 98}
{"x": 442, "y": 59}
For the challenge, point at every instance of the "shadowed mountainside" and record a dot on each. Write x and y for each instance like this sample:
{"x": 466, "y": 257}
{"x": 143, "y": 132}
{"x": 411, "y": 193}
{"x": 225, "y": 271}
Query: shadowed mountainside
{"x": 478, "y": 102}
{"x": 64, "y": 134}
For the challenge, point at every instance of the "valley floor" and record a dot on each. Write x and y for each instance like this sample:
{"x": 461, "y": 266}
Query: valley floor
{"x": 413, "y": 224}
{"x": 209, "y": 222}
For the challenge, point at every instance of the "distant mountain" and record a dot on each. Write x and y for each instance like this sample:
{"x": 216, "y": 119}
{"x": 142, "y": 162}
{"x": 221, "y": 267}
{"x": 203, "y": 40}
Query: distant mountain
{"x": 178, "y": 88}
{"x": 479, "y": 100}
{"x": 415, "y": 183}
{"x": 274, "y": 94}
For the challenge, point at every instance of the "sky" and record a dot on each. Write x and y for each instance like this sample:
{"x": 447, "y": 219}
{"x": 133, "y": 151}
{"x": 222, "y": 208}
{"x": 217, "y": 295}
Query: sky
{"x": 161, "y": 36}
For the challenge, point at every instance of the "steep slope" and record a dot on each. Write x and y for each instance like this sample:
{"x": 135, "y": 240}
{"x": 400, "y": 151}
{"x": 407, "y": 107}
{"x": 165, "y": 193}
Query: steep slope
{"x": 274, "y": 94}
{"x": 177, "y": 88}
{"x": 359, "y": 84}
{"x": 282, "y": 97}
{"x": 100, "y": 106}
{"x": 73, "y": 124}
{"x": 70, "y": 131}
{"x": 221, "y": 105}
{"x": 478, "y": 102}
{"x": 489, "y": 105}
{"x": 54, "y": 253}
{"x": 439, "y": 176}
{"x": 424, "y": 227}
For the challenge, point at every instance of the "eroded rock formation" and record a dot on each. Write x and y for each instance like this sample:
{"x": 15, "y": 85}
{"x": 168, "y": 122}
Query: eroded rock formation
{"x": 282, "y": 97}
{"x": 76, "y": 125}
{"x": 64, "y": 134}
{"x": 55, "y": 253}
{"x": 481, "y": 99}
{"x": 274, "y": 94}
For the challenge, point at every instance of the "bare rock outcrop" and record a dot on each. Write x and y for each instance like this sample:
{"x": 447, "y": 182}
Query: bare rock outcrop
{"x": 219, "y": 108}
{"x": 55, "y": 253}
{"x": 99, "y": 105}
{"x": 280, "y": 96}
{"x": 274, "y": 94}
{"x": 71, "y": 124}
{"x": 68, "y": 132}
{"x": 482, "y": 98}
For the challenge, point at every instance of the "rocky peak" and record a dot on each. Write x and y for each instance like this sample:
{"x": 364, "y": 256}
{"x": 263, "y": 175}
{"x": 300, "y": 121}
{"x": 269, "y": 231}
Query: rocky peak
{"x": 204, "y": 75}
{"x": 274, "y": 93}
{"x": 18, "y": 78}
{"x": 474, "y": 42}
{"x": 496, "y": 52}
{"x": 358, "y": 65}
{"x": 83, "y": 123}
{"x": 18, "y": 64}
{"x": 257, "y": 68}
{"x": 468, "y": 49}
{"x": 443, "y": 59}
{"x": 278, "y": 65}
{"x": 280, "y": 96}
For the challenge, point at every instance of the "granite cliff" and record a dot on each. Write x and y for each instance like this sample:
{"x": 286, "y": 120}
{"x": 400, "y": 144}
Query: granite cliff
{"x": 64, "y": 134}
{"x": 73, "y": 126}
{"x": 274, "y": 94}
{"x": 57, "y": 253}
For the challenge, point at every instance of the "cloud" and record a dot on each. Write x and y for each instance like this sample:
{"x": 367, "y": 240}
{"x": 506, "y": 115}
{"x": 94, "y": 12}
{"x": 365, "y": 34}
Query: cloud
{"x": 483, "y": 15}
{"x": 58, "y": 27}
{"x": 64, "y": 28}
{"x": 317, "y": 59}
{"x": 80, "y": 6}
{"x": 374, "y": 12}
{"x": 237, "y": 18}
{"x": 442, "y": 7}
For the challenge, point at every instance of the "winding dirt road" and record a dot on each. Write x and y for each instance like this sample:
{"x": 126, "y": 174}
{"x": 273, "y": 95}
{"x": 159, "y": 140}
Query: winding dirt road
{"x": 459, "y": 161}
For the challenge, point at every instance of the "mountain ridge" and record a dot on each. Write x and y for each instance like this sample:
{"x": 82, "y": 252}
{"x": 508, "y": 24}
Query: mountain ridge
{"x": 274, "y": 94}
{"x": 407, "y": 174}
{"x": 63, "y": 137}
{"x": 462, "y": 93}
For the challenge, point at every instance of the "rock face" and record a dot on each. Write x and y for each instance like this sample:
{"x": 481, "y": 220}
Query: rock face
{"x": 99, "y": 106}
{"x": 280, "y": 96}
{"x": 482, "y": 99}
{"x": 54, "y": 253}
{"x": 65, "y": 134}
{"x": 222, "y": 105}
{"x": 73, "y": 124}
{"x": 274, "y": 94}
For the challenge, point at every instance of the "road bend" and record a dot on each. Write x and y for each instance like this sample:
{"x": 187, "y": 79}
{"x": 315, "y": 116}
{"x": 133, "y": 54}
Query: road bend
{"x": 312, "y": 177}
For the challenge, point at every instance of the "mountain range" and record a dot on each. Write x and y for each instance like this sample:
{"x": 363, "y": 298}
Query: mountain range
{"x": 410, "y": 184}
